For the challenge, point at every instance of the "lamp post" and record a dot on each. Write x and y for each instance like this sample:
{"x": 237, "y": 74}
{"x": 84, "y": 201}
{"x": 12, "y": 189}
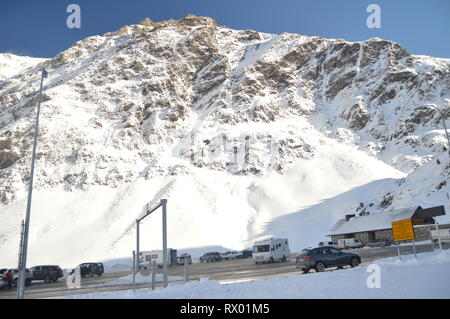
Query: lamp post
{"x": 24, "y": 248}
{"x": 443, "y": 114}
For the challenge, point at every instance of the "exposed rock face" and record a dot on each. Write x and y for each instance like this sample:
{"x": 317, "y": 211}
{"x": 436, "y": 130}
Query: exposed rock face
{"x": 356, "y": 116}
{"x": 165, "y": 85}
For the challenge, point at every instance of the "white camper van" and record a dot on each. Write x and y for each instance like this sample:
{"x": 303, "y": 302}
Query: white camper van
{"x": 146, "y": 256}
{"x": 270, "y": 250}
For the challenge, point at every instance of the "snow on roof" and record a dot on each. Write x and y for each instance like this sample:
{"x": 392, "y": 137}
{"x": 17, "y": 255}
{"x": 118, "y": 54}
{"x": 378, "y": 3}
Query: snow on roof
{"x": 372, "y": 222}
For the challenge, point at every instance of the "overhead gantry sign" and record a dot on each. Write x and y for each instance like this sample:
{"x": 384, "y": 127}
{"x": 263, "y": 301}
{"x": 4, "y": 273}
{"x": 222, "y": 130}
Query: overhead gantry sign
{"x": 147, "y": 211}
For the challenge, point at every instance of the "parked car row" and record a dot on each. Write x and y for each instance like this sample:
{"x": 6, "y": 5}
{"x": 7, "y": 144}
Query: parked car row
{"x": 227, "y": 255}
{"x": 47, "y": 273}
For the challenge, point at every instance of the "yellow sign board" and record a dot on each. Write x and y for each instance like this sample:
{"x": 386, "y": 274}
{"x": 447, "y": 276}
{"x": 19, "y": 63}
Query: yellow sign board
{"x": 403, "y": 230}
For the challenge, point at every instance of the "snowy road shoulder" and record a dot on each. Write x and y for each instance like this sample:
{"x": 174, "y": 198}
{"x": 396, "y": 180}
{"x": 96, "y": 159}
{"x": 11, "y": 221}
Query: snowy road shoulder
{"x": 425, "y": 277}
{"x": 128, "y": 280}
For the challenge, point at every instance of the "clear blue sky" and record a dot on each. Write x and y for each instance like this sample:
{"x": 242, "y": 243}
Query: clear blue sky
{"x": 38, "y": 28}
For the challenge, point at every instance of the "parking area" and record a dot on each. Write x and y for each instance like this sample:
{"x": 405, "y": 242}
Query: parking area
{"x": 234, "y": 270}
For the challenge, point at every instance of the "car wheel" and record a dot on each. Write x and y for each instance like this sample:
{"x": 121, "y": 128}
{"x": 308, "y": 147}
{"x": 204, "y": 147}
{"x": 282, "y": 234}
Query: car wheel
{"x": 27, "y": 282}
{"x": 46, "y": 279}
{"x": 320, "y": 266}
{"x": 305, "y": 270}
{"x": 284, "y": 258}
{"x": 271, "y": 259}
{"x": 99, "y": 275}
{"x": 340, "y": 267}
{"x": 354, "y": 262}
{"x": 15, "y": 282}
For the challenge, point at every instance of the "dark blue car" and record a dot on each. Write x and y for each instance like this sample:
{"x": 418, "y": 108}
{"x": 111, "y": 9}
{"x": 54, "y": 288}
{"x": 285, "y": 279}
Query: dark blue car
{"x": 321, "y": 258}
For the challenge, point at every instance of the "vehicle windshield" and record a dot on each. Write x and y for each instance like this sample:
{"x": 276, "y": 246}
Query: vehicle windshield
{"x": 261, "y": 248}
{"x": 304, "y": 252}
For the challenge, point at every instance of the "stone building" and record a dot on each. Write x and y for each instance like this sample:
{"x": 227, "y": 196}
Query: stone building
{"x": 379, "y": 225}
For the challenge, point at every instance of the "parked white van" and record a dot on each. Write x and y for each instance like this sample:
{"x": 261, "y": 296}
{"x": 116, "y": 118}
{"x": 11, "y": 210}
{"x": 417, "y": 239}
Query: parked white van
{"x": 442, "y": 234}
{"x": 349, "y": 243}
{"x": 270, "y": 250}
{"x": 147, "y": 256}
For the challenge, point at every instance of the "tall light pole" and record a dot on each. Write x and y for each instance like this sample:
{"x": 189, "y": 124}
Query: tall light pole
{"x": 443, "y": 114}
{"x": 24, "y": 248}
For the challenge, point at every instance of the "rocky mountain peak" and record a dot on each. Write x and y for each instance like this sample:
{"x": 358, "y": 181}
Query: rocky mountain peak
{"x": 159, "y": 102}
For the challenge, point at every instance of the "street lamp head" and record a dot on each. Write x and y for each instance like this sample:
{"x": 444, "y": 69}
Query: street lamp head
{"x": 442, "y": 112}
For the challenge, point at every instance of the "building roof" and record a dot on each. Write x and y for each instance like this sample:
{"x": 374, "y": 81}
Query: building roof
{"x": 371, "y": 222}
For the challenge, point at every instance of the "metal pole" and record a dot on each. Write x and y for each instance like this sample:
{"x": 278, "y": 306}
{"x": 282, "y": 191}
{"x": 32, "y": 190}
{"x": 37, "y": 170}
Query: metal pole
{"x": 445, "y": 127}
{"x": 431, "y": 238}
{"x": 186, "y": 269}
{"x": 153, "y": 274}
{"x": 138, "y": 254}
{"x": 446, "y": 133}
{"x": 22, "y": 226}
{"x": 150, "y": 261}
{"x": 398, "y": 251}
{"x": 414, "y": 247}
{"x": 133, "y": 269}
{"x": 21, "y": 284}
{"x": 164, "y": 225}
{"x": 437, "y": 233}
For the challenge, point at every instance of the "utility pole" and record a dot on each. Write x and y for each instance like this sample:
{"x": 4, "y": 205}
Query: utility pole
{"x": 446, "y": 133}
{"x": 164, "y": 226}
{"x": 443, "y": 114}
{"x": 24, "y": 248}
{"x": 22, "y": 226}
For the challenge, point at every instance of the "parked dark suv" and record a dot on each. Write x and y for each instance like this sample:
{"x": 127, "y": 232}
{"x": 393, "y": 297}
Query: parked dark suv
{"x": 182, "y": 257}
{"x": 47, "y": 273}
{"x": 380, "y": 242}
{"x": 325, "y": 257}
{"x": 212, "y": 256}
{"x": 90, "y": 269}
{"x": 246, "y": 253}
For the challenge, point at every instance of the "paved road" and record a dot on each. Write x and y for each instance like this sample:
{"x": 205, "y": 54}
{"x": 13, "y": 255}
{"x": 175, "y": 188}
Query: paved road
{"x": 224, "y": 272}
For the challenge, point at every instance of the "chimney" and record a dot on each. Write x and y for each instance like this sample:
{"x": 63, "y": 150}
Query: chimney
{"x": 348, "y": 217}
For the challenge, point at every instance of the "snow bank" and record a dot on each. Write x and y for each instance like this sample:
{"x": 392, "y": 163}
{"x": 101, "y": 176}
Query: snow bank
{"x": 428, "y": 276}
{"x": 140, "y": 279}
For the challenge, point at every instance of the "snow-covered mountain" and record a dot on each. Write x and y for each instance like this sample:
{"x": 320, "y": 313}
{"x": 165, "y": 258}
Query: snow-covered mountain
{"x": 246, "y": 134}
{"x": 11, "y": 64}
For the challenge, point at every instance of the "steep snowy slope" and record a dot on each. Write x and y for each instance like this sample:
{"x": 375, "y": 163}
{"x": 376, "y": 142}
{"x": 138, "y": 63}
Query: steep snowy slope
{"x": 247, "y": 134}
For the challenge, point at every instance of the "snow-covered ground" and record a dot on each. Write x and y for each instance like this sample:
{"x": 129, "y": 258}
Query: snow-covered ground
{"x": 428, "y": 276}
{"x": 140, "y": 279}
